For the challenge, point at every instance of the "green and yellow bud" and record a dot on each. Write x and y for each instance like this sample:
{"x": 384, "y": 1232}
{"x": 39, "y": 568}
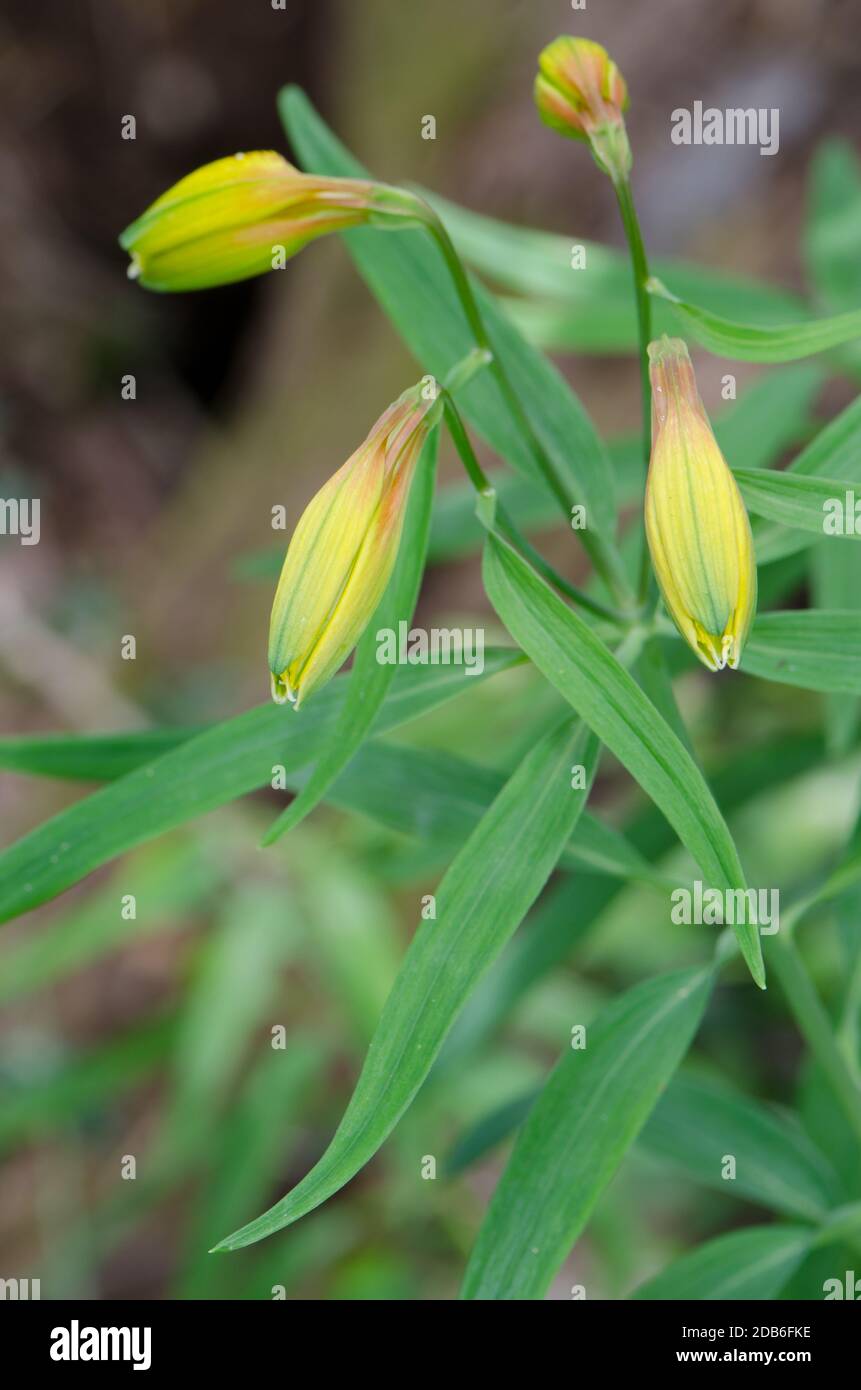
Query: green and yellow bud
{"x": 696, "y": 523}
{"x": 580, "y": 92}
{"x": 244, "y": 215}
{"x": 343, "y": 550}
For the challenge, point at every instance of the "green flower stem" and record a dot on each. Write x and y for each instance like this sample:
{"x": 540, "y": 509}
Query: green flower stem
{"x": 462, "y": 372}
{"x": 605, "y": 558}
{"x": 640, "y": 268}
{"x": 506, "y": 526}
{"x": 815, "y": 1025}
{"x": 644, "y": 305}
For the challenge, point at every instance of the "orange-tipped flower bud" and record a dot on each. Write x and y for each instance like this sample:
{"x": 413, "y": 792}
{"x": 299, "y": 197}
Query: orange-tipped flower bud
{"x": 343, "y": 551}
{"x": 696, "y": 523}
{"x": 246, "y": 214}
{"x": 580, "y": 92}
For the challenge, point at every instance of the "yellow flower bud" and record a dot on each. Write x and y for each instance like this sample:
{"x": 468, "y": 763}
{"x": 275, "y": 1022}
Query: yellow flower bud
{"x": 697, "y": 527}
{"x": 242, "y": 216}
{"x": 580, "y": 92}
{"x": 343, "y": 551}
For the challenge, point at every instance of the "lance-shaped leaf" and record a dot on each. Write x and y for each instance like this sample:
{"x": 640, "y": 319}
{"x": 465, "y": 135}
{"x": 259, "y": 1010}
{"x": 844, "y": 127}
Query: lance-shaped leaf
{"x": 835, "y": 452}
{"x": 699, "y": 1121}
{"x": 594, "y": 312}
{"x": 811, "y": 648}
{"x": 752, "y": 1264}
{"x": 485, "y": 893}
{"x": 577, "y": 1132}
{"x": 792, "y": 499}
{"x": 434, "y": 796}
{"x": 217, "y": 766}
{"x": 747, "y": 342}
{"x": 603, "y": 693}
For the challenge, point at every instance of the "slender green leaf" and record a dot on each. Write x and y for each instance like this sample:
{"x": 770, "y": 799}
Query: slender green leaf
{"x": 434, "y": 796}
{"x": 792, "y": 499}
{"x": 406, "y": 274}
{"x": 698, "y": 1122}
{"x": 490, "y": 1131}
{"x": 746, "y": 342}
{"x": 369, "y": 680}
{"x": 555, "y": 928}
{"x": 810, "y": 648}
{"x": 752, "y": 1264}
{"x": 485, "y": 893}
{"x": 440, "y": 798}
{"x": 225, "y": 762}
{"x": 577, "y": 1133}
{"x": 593, "y": 309}
{"x": 89, "y": 757}
{"x": 568, "y": 912}
{"x": 603, "y": 693}
{"x": 835, "y": 452}
{"x": 695, "y": 1125}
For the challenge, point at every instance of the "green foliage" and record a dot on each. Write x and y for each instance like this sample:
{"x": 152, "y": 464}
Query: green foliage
{"x": 751, "y": 1264}
{"x": 542, "y": 895}
{"x": 576, "y": 1134}
{"x": 482, "y": 898}
{"x": 749, "y": 343}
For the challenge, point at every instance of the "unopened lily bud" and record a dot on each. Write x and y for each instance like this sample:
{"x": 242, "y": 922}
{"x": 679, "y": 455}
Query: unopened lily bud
{"x": 696, "y": 523}
{"x": 244, "y": 215}
{"x": 580, "y": 92}
{"x": 343, "y": 551}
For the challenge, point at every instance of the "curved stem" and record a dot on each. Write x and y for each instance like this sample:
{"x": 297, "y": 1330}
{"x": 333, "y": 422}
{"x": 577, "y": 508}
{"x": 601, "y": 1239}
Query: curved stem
{"x": 506, "y": 526}
{"x": 603, "y": 557}
{"x": 640, "y": 266}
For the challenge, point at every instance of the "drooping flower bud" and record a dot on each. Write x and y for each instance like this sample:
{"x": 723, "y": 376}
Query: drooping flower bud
{"x": 580, "y": 92}
{"x": 343, "y": 550}
{"x": 696, "y": 523}
{"x": 246, "y": 214}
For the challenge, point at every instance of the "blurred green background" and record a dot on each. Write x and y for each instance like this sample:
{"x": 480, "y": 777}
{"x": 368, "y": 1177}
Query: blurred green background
{"x": 152, "y": 1038}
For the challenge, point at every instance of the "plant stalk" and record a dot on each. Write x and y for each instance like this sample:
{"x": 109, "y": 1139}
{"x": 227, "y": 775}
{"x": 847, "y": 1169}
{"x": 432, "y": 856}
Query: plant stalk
{"x": 604, "y": 558}
{"x": 507, "y": 527}
{"x": 640, "y": 267}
